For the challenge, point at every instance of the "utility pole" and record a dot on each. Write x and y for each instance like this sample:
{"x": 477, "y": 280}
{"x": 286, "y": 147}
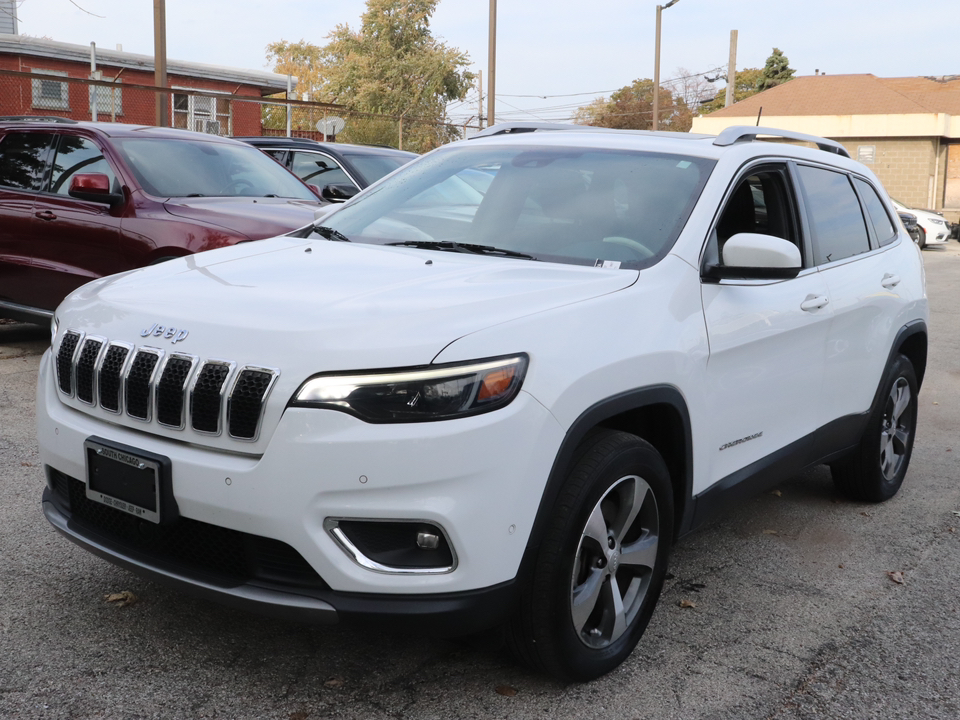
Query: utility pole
{"x": 160, "y": 61}
{"x": 492, "y": 63}
{"x": 480, "y": 99}
{"x": 656, "y": 68}
{"x": 731, "y": 70}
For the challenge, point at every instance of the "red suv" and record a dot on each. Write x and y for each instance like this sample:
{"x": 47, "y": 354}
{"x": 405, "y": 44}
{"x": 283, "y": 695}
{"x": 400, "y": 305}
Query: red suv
{"x": 81, "y": 200}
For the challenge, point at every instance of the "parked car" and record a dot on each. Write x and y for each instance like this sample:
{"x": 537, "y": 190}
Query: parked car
{"x": 909, "y": 221}
{"x": 81, "y": 200}
{"x": 420, "y": 412}
{"x": 934, "y": 229}
{"x": 338, "y": 170}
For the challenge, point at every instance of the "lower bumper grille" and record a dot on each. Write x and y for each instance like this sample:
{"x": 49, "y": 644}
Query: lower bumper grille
{"x": 220, "y": 555}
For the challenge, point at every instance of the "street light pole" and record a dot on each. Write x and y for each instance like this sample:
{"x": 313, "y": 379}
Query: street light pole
{"x": 656, "y": 68}
{"x": 492, "y": 63}
{"x": 160, "y": 61}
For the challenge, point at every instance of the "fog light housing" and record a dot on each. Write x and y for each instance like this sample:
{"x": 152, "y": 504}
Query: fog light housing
{"x": 404, "y": 547}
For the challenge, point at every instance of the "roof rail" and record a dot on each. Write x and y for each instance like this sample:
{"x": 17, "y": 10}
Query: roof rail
{"x": 747, "y": 133}
{"x": 36, "y": 118}
{"x": 510, "y": 128}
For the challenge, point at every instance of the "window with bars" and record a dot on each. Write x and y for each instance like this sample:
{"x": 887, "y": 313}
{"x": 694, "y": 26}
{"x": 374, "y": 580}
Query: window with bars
{"x": 50, "y": 94}
{"x": 202, "y": 114}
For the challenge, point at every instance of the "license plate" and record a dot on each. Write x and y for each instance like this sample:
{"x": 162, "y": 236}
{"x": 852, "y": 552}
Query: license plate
{"x": 126, "y": 479}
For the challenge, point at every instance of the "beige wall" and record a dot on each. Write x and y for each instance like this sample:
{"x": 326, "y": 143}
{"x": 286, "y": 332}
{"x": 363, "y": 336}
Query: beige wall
{"x": 905, "y": 166}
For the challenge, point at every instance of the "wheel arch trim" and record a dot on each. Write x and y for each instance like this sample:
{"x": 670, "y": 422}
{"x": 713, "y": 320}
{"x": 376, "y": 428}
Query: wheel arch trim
{"x": 681, "y": 471}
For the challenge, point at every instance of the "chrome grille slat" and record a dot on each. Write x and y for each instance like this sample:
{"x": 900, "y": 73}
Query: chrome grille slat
{"x": 172, "y": 390}
{"x": 68, "y": 348}
{"x": 86, "y": 369}
{"x": 110, "y": 376}
{"x": 138, "y": 387}
{"x": 177, "y": 390}
{"x": 206, "y": 396}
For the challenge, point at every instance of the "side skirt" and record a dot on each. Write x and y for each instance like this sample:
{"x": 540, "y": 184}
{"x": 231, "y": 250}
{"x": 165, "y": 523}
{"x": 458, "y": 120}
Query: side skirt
{"x": 828, "y": 443}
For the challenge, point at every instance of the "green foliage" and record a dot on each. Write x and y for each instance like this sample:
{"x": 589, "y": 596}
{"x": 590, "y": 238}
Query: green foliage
{"x": 776, "y": 72}
{"x": 631, "y": 107}
{"x": 391, "y": 66}
{"x": 744, "y": 86}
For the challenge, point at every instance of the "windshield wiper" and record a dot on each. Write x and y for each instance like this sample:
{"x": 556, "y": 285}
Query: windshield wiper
{"x": 330, "y": 234}
{"x": 463, "y": 248}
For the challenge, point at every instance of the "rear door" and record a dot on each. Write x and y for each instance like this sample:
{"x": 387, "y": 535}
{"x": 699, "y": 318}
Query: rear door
{"x": 23, "y": 159}
{"x": 74, "y": 241}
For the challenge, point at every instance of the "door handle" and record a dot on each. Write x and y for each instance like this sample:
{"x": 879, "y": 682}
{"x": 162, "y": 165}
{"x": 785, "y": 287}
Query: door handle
{"x": 46, "y": 215}
{"x": 890, "y": 281}
{"x": 814, "y": 302}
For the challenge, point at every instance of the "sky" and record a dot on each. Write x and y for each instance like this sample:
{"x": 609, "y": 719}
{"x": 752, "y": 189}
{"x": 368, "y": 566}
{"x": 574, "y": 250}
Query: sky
{"x": 563, "y": 53}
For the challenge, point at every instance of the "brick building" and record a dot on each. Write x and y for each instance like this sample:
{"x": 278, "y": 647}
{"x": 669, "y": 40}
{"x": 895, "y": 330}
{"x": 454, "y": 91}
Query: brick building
{"x": 220, "y": 110}
{"x": 906, "y": 129}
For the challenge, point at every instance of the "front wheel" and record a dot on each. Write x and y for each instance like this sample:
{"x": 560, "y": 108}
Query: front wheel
{"x": 875, "y": 470}
{"x": 601, "y": 564}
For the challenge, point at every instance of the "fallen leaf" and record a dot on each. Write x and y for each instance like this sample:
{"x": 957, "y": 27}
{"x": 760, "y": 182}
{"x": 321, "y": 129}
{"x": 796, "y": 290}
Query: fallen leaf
{"x": 770, "y": 532}
{"x": 953, "y": 530}
{"x": 333, "y": 682}
{"x": 121, "y": 599}
{"x": 506, "y": 690}
{"x": 936, "y": 403}
{"x": 299, "y": 715}
{"x": 840, "y": 566}
{"x": 866, "y": 514}
{"x": 778, "y": 493}
{"x": 687, "y": 604}
{"x": 26, "y": 464}
{"x": 896, "y": 576}
{"x": 956, "y": 512}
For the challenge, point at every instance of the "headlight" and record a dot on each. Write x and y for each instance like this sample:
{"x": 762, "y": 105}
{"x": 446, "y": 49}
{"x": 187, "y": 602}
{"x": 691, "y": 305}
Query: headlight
{"x": 418, "y": 394}
{"x": 937, "y": 221}
{"x": 54, "y": 326}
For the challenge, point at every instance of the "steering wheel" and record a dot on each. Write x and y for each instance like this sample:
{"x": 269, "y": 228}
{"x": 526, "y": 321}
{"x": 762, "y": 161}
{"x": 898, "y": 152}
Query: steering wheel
{"x": 235, "y": 187}
{"x": 639, "y": 248}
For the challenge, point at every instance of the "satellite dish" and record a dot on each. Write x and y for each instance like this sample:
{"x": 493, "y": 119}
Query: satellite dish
{"x": 331, "y": 125}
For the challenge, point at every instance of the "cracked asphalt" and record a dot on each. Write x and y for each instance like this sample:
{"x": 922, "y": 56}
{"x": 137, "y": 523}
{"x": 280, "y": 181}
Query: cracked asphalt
{"x": 794, "y": 615}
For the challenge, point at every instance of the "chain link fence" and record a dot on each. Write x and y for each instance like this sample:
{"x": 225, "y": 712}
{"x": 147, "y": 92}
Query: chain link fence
{"x": 53, "y": 93}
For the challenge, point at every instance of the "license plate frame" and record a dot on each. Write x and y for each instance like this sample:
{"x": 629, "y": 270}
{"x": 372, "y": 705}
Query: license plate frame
{"x": 133, "y": 481}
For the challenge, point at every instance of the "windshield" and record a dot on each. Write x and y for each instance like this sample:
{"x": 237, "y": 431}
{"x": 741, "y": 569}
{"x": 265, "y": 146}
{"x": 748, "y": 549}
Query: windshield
{"x": 167, "y": 167}
{"x": 576, "y": 205}
{"x": 374, "y": 167}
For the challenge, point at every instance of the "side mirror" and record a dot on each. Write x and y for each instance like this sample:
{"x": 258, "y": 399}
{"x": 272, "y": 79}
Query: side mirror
{"x": 754, "y": 256}
{"x": 94, "y": 187}
{"x": 339, "y": 192}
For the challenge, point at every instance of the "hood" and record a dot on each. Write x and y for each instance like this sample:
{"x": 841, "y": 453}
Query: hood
{"x": 313, "y": 306}
{"x": 254, "y": 217}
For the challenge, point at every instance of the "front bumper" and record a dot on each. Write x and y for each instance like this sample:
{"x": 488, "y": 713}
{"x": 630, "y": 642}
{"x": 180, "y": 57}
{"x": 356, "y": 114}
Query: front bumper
{"x": 480, "y": 479}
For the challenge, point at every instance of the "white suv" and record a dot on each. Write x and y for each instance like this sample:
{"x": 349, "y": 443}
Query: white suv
{"x": 496, "y": 386}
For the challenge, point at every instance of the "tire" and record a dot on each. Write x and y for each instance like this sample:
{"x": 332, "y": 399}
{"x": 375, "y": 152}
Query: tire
{"x": 600, "y": 566}
{"x": 875, "y": 470}
{"x": 922, "y": 241}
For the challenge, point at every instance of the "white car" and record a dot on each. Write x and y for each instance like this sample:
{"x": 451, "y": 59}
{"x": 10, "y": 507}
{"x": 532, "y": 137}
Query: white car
{"x": 935, "y": 229}
{"x": 462, "y": 410}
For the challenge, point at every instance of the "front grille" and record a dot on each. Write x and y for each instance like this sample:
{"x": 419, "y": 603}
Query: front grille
{"x": 139, "y": 381}
{"x": 149, "y": 384}
{"x": 110, "y": 377}
{"x": 171, "y": 389}
{"x": 86, "y": 367}
{"x": 229, "y": 557}
{"x": 68, "y": 346}
{"x": 205, "y": 399}
{"x": 246, "y": 400}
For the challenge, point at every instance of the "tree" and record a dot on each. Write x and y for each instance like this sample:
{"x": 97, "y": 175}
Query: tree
{"x": 391, "y": 66}
{"x": 631, "y": 107}
{"x": 744, "y": 86}
{"x": 776, "y": 72}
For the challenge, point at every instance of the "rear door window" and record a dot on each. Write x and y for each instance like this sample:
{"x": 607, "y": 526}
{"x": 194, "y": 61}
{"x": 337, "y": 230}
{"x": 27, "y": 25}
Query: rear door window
{"x": 317, "y": 169}
{"x": 882, "y": 225}
{"x": 22, "y": 159}
{"x": 836, "y": 218}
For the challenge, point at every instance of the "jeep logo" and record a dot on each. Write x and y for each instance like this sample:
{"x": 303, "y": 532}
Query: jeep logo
{"x": 172, "y": 334}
